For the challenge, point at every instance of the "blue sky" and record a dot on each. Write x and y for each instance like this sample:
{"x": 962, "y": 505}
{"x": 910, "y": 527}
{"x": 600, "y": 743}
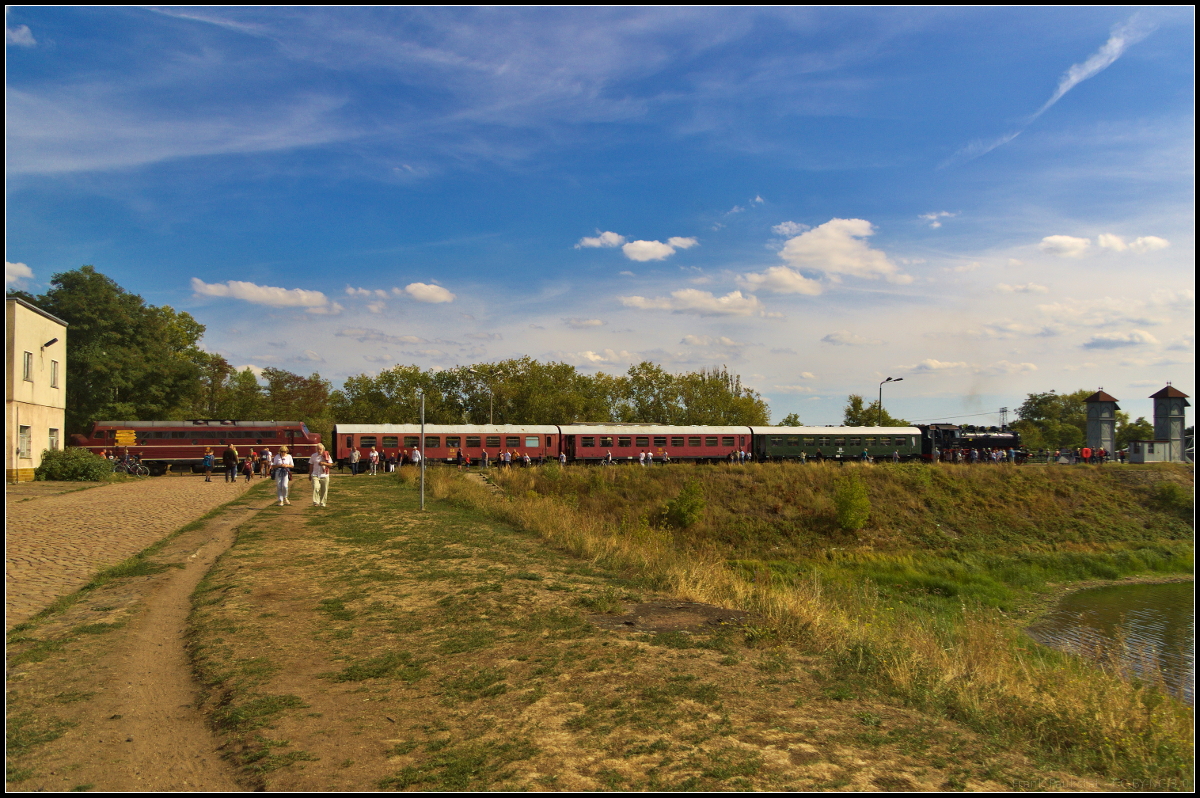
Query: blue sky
{"x": 984, "y": 202}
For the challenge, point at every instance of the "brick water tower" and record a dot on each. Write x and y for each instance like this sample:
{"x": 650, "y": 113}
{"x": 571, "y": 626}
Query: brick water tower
{"x": 1102, "y": 421}
{"x": 1169, "y": 421}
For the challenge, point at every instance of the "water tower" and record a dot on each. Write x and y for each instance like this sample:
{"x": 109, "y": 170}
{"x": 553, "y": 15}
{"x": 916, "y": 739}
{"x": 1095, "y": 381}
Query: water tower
{"x": 1102, "y": 421}
{"x": 1168, "y": 419}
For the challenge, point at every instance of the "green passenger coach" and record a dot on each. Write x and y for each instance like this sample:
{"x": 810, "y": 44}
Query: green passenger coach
{"x": 836, "y": 443}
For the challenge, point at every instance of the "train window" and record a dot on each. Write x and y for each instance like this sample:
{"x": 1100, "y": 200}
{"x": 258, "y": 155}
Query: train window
{"x": 410, "y": 441}
{"x": 473, "y": 441}
{"x": 856, "y": 441}
{"x": 512, "y": 440}
{"x": 660, "y": 441}
{"x": 493, "y": 441}
{"x": 588, "y": 442}
{"x": 793, "y": 441}
{"x": 99, "y": 434}
{"x": 179, "y": 434}
{"x": 777, "y": 441}
{"x": 531, "y": 441}
{"x": 367, "y": 440}
{"x": 433, "y": 441}
{"x": 112, "y": 433}
{"x": 606, "y": 441}
{"x": 624, "y": 440}
{"x": 677, "y": 440}
{"x": 694, "y": 440}
{"x": 710, "y": 440}
{"x": 390, "y": 441}
{"x": 643, "y": 442}
{"x": 868, "y": 441}
{"x": 453, "y": 441}
{"x": 809, "y": 441}
{"x": 550, "y": 440}
{"x": 727, "y": 441}
{"x": 822, "y": 441}
{"x": 839, "y": 441}
{"x": 159, "y": 434}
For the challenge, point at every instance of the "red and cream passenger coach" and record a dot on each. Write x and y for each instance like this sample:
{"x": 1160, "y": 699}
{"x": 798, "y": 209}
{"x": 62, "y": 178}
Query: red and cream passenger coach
{"x": 442, "y": 441}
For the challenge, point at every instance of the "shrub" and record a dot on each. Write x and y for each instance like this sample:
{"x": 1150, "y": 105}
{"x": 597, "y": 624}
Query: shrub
{"x": 853, "y": 504}
{"x": 72, "y": 465}
{"x": 685, "y": 509}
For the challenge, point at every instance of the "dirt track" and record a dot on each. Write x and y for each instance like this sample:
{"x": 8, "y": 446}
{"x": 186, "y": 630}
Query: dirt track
{"x": 128, "y": 721}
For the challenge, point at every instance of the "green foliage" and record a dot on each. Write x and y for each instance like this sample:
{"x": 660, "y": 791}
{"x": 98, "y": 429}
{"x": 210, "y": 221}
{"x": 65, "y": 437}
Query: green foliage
{"x": 72, "y": 465}
{"x": 527, "y": 391}
{"x": 852, "y": 502}
{"x": 856, "y": 414}
{"x": 1140, "y": 430}
{"x": 1173, "y": 497}
{"x": 126, "y": 359}
{"x": 686, "y": 508}
{"x": 1052, "y": 420}
{"x": 790, "y": 420}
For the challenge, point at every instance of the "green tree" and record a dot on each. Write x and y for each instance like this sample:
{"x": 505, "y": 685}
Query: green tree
{"x": 790, "y": 420}
{"x": 1052, "y": 420}
{"x": 125, "y": 359}
{"x": 859, "y": 414}
{"x": 1140, "y": 430}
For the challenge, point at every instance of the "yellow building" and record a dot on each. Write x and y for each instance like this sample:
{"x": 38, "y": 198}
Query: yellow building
{"x": 36, "y": 387}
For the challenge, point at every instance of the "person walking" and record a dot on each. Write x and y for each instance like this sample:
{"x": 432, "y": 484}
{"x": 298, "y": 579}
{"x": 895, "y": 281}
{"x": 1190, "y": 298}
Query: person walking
{"x": 354, "y": 458}
{"x": 415, "y": 457}
{"x": 248, "y": 466}
{"x": 229, "y": 459}
{"x": 264, "y": 463}
{"x": 283, "y": 472}
{"x": 318, "y": 471}
{"x": 373, "y": 457}
{"x": 209, "y": 461}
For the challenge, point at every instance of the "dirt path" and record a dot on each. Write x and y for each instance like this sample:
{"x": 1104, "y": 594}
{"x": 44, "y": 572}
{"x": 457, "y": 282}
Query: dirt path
{"x": 102, "y": 696}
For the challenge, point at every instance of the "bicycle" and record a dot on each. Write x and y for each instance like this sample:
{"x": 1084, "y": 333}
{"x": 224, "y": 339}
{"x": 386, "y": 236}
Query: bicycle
{"x": 131, "y": 468}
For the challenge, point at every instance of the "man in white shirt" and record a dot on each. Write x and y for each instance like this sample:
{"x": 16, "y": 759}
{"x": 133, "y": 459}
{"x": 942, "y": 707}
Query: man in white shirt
{"x": 354, "y": 458}
{"x": 318, "y": 472}
{"x": 283, "y": 471}
{"x": 416, "y": 457}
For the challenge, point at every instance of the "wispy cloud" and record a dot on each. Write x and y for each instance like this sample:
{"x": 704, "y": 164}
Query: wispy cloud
{"x": 701, "y": 303}
{"x": 269, "y": 295}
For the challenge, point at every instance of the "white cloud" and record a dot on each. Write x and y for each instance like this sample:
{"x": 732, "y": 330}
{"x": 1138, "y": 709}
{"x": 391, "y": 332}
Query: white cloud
{"x": 933, "y": 218}
{"x": 847, "y": 338}
{"x": 1101, "y": 312}
{"x": 1184, "y": 299}
{"x": 1149, "y": 244}
{"x": 604, "y": 357}
{"x": 1140, "y": 245}
{"x": 647, "y": 250}
{"x": 484, "y": 336}
{"x": 931, "y": 365}
{"x": 1027, "y": 288}
{"x": 793, "y": 389}
{"x": 627, "y": 274}
{"x": 606, "y": 239}
{"x": 682, "y": 243}
{"x": 705, "y": 340}
{"x": 1120, "y": 340}
{"x": 366, "y": 292}
{"x": 366, "y": 334}
{"x": 1002, "y": 367}
{"x": 15, "y": 274}
{"x": 583, "y": 324}
{"x": 702, "y": 303}
{"x": 20, "y": 36}
{"x": 789, "y": 229}
{"x": 1064, "y": 246}
{"x": 310, "y": 356}
{"x": 376, "y": 307}
{"x": 423, "y": 292}
{"x": 271, "y": 296}
{"x": 1122, "y": 36}
{"x": 835, "y": 248}
{"x": 780, "y": 280}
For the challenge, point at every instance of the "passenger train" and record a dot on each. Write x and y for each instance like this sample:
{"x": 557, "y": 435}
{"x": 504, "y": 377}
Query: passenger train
{"x": 162, "y": 444}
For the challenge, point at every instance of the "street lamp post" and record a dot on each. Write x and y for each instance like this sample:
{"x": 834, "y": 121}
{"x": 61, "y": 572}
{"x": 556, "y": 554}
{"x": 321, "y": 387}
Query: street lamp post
{"x": 422, "y": 394}
{"x": 889, "y": 379}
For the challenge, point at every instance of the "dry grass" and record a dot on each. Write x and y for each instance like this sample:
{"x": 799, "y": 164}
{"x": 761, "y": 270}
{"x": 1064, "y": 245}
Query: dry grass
{"x": 971, "y": 665}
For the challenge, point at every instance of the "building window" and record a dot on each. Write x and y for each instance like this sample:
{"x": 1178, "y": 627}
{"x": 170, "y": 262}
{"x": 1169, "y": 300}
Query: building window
{"x": 27, "y": 367}
{"x": 24, "y": 444}
{"x": 53, "y": 373}
{"x": 53, "y": 440}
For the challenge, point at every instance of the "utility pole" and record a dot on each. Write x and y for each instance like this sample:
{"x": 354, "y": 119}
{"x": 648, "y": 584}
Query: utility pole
{"x": 422, "y": 450}
{"x": 1004, "y": 417}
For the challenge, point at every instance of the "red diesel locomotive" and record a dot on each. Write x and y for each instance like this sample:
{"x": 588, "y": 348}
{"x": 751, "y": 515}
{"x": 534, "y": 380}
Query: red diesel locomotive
{"x": 162, "y": 444}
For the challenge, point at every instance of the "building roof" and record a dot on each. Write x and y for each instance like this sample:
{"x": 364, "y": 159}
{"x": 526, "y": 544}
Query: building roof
{"x": 35, "y": 309}
{"x": 1170, "y": 392}
{"x": 1100, "y": 396}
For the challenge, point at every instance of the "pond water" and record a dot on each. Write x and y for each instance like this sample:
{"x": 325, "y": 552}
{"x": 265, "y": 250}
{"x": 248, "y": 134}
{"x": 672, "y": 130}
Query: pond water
{"x": 1146, "y": 626}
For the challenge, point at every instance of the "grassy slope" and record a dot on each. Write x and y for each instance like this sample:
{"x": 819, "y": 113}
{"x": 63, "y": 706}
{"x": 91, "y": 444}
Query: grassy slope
{"x": 910, "y": 603}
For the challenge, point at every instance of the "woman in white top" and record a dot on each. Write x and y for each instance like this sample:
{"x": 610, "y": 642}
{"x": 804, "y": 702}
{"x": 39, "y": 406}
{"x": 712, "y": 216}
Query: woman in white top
{"x": 283, "y": 471}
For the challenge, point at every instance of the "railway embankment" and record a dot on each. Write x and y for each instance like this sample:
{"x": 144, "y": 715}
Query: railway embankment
{"x": 924, "y": 601}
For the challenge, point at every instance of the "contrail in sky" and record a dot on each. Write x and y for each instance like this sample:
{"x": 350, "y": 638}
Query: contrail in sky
{"x": 1123, "y": 35}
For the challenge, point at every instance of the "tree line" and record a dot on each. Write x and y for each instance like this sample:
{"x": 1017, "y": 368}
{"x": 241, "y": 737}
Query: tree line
{"x": 128, "y": 360}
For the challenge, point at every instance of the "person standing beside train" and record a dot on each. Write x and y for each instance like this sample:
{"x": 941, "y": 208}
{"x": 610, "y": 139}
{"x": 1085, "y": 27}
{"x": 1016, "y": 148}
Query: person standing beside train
{"x": 318, "y": 471}
{"x": 209, "y": 460}
{"x": 229, "y": 459}
{"x": 264, "y": 463}
{"x": 354, "y": 458}
{"x": 283, "y": 472}
{"x": 373, "y": 458}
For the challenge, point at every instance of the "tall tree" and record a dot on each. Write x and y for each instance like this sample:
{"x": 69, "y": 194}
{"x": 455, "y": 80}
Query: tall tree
{"x": 125, "y": 359}
{"x": 859, "y": 414}
{"x": 1053, "y": 420}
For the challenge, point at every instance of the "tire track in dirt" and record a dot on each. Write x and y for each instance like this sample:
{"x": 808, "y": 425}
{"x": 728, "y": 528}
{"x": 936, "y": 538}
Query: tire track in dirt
{"x": 140, "y": 729}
